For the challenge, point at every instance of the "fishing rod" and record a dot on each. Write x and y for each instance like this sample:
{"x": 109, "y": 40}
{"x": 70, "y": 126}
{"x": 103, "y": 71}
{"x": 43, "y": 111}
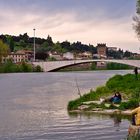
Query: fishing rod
{"x": 79, "y": 92}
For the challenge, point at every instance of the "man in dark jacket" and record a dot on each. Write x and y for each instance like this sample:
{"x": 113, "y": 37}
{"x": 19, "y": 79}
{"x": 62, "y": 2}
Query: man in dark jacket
{"x": 136, "y": 73}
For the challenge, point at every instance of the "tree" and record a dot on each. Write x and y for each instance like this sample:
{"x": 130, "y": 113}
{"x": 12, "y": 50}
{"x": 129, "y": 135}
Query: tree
{"x": 24, "y": 37}
{"x": 49, "y": 41}
{"x": 66, "y": 45}
{"x": 127, "y": 54}
{"x": 137, "y": 19}
{"x": 41, "y": 53}
{"x": 4, "y": 50}
{"x": 10, "y": 42}
{"x": 58, "y": 48}
{"x": 22, "y": 43}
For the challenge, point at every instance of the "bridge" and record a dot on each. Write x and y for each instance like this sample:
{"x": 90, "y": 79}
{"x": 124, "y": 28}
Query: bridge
{"x": 55, "y": 65}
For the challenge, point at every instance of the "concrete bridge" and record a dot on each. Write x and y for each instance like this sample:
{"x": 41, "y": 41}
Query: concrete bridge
{"x": 55, "y": 65}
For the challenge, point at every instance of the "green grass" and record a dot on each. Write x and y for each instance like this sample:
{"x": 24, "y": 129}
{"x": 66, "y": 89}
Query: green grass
{"x": 137, "y": 137}
{"x": 10, "y": 67}
{"x": 127, "y": 85}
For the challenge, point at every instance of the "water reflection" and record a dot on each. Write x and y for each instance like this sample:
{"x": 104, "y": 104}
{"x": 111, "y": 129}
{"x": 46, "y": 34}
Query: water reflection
{"x": 115, "y": 118}
{"x": 34, "y": 107}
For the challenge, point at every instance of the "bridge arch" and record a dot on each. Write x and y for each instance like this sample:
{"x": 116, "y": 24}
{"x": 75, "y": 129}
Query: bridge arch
{"x": 54, "y": 65}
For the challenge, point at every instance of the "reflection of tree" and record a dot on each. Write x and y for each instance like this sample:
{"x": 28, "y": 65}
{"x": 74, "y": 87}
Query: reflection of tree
{"x": 117, "y": 120}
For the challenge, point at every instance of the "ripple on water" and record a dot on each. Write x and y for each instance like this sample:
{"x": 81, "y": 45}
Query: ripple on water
{"x": 34, "y": 107}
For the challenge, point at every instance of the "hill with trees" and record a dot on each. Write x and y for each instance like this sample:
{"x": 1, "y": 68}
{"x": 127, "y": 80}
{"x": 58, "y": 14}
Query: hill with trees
{"x": 44, "y": 46}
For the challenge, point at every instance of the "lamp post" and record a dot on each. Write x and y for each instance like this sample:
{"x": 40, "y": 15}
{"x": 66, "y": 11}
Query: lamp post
{"x": 34, "y": 44}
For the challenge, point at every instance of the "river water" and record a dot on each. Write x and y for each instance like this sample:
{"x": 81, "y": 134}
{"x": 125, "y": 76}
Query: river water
{"x": 33, "y": 106}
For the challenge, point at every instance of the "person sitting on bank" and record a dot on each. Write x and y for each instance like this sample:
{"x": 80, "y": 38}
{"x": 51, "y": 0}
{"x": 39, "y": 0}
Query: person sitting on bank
{"x": 116, "y": 98}
{"x": 136, "y": 116}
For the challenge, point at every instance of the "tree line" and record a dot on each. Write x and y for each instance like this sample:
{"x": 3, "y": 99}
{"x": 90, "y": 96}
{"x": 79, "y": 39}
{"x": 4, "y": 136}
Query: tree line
{"x": 43, "y": 46}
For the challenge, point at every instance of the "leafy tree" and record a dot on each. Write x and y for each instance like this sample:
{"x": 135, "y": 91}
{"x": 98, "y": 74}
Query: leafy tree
{"x": 41, "y": 53}
{"x": 49, "y": 41}
{"x": 66, "y": 45}
{"x": 10, "y": 42}
{"x": 127, "y": 54}
{"x": 4, "y": 50}
{"x": 92, "y": 49}
{"x": 24, "y": 37}
{"x": 58, "y": 48}
{"x": 38, "y": 69}
{"x": 46, "y": 46}
{"x": 22, "y": 43}
{"x": 137, "y": 19}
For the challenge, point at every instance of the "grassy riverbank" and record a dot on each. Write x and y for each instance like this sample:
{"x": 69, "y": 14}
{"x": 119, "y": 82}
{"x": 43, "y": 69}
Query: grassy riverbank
{"x": 10, "y": 67}
{"x": 127, "y": 85}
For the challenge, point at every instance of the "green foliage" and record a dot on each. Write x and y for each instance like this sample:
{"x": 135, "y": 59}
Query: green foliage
{"x": 93, "y": 66}
{"x": 127, "y": 85}
{"x": 4, "y": 50}
{"x": 72, "y": 105}
{"x": 102, "y": 90}
{"x": 26, "y": 67}
{"x": 10, "y": 42}
{"x": 38, "y": 69}
{"x": 10, "y": 67}
{"x": 131, "y": 104}
{"x": 25, "y": 42}
{"x": 116, "y": 66}
{"x": 51, "y": 59}
{"x": 22, "y": 43}
{"x": 137, "y": 19}
{"x": 136, "y": 93}
{"x": 135, "y": 137}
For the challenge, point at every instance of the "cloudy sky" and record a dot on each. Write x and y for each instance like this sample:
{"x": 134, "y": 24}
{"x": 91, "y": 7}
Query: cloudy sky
{"x": 88, "y": 21}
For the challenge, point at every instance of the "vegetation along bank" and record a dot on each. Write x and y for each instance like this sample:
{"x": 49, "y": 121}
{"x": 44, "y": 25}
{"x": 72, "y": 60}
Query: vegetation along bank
{"x": 127, "y": 85}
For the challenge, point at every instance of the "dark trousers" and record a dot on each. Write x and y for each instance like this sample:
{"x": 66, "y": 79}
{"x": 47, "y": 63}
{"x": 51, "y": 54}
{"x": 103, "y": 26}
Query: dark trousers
{"x": 133, "y": 120}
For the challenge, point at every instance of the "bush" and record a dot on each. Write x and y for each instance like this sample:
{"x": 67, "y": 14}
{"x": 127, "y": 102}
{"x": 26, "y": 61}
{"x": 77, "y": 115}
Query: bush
{"x": 38, "y": 69}
{"x": 136, "y": 94}
{"x": 117, "y": 66}
{"x": 133, "y": 103}
{"x": 72, "y": 105}
{"x": 124, "y": 83}
{"x": 26, "y": 67}
{"x": 10, "y": 67}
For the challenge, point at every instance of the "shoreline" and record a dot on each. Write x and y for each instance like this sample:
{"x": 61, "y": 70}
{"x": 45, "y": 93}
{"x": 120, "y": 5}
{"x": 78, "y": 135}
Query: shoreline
{"x": 104, "y": 112}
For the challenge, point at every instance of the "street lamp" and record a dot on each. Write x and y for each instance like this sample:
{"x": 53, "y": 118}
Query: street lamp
{"x": 34, "y": 44}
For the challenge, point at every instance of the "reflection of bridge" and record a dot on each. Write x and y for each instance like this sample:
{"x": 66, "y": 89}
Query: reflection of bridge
{"x": 54, "y": 65}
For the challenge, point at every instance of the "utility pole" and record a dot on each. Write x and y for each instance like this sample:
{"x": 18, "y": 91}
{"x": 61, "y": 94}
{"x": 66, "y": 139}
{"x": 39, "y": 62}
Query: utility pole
{"x": 34, "y": 44}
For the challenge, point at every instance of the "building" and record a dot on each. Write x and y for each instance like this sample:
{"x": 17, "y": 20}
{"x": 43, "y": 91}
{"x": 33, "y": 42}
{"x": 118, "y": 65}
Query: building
{"x": 15, "y": 57}
{"x": 84, "y": 55}
{"x": 102, "y": 50}
{"x": 68, "y": 56}
{"x": 55, "y": 56}
{"x": 112, "y": 49}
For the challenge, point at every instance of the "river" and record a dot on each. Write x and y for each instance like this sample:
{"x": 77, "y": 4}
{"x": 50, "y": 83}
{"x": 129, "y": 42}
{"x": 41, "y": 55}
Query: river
{"x": 33, "y": 106}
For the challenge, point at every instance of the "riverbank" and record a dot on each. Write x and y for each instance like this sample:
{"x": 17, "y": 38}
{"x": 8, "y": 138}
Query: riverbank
{"x": 10, "y": 67}
{"x": 93, "y": 66}
{"x": 105, "y": 112}
{"x": 127, "y": 85}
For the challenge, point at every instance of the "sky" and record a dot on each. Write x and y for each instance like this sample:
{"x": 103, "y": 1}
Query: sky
{"x": 88, "y": 21}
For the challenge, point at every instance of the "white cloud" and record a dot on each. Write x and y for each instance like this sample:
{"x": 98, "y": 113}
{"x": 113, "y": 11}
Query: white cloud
{"x": 73, "y": 27}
